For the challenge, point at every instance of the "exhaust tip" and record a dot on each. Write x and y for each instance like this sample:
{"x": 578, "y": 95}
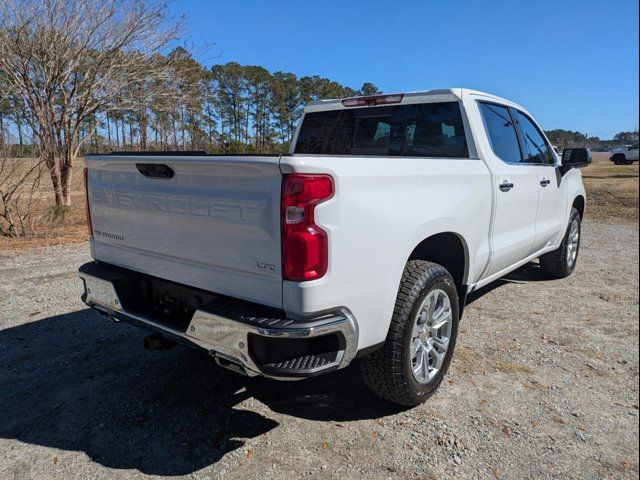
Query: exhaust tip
{"x": 230, "y": 364}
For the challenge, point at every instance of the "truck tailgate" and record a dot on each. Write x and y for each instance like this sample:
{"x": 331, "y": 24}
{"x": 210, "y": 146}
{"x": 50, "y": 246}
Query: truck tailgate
{"x": 214, "y": 225}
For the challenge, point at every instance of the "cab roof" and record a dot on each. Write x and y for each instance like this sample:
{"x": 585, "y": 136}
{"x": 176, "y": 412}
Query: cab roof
{"x": 421, "y": 96}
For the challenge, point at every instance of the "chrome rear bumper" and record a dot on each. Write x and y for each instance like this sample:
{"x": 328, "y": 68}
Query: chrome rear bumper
{"x": 235, "y": 333}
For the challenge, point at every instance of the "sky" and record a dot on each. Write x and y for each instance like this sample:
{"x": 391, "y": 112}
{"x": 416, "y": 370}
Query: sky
{"x": 572, "y": 64}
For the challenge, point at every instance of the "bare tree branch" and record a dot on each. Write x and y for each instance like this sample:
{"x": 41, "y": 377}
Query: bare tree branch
{"x": 70, "y": 59}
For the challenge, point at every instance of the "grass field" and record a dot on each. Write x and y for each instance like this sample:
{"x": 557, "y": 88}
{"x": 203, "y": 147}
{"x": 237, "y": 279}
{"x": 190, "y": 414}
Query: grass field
{"x": 612, "y": 191}
{"x": 612, "y": 196}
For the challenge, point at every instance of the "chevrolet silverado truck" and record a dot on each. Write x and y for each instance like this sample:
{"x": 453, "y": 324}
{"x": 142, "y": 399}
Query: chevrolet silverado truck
{"x": 363, "y": 241}
{"x": 624, "y": 155}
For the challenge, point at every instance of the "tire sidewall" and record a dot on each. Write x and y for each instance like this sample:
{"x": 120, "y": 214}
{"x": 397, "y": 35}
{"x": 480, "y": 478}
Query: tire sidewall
{"x": 445, "y": 283}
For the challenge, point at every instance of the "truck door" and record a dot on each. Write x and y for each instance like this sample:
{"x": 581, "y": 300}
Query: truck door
{"x": 551, "y": 214}
{"x": 516, "y": 189}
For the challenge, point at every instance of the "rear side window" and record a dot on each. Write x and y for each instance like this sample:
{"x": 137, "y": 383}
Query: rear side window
{"x": 502, "y": 132}
{"x": 420, "y": 130}
{"x": 537, "y": 150}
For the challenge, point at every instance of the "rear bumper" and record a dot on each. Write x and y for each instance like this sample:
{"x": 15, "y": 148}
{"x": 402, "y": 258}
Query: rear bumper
{"x": 239, "y": 334}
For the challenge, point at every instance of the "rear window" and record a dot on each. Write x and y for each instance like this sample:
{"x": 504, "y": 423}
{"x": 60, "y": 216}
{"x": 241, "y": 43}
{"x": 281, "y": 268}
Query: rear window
{"x": 420, "y": 130}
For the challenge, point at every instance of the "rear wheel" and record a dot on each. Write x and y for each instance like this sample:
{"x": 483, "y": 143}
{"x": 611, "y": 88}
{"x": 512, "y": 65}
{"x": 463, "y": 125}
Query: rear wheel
{"x": 619, "y": 159}
{"x": 417, "y": 352}
{"x": 562, "y": 262}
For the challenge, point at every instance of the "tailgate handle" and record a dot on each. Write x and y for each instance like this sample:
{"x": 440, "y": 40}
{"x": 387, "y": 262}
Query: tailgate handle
{"x": 155, "y": 170}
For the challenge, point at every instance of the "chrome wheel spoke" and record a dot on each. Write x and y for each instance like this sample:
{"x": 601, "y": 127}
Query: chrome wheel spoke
{"x": 438, "y": 359}
{"x": 422, "y": 317}
{"x": 442, "y": 320}
{"x": 427, "y": 309}
{"x": 441, "y": 343}
{"x": 419, "y": 365}
{"x": 416, "y": 345}
{"x": 443, "y": 315}
{"x": 425, "y": 365}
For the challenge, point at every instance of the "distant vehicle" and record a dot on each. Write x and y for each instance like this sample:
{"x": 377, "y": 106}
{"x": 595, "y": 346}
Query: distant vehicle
{"x": 624, "y": 155}
{"x": 364, "y": 240}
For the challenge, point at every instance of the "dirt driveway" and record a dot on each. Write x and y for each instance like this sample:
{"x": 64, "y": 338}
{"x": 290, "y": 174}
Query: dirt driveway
{"x": 544, "y": 384}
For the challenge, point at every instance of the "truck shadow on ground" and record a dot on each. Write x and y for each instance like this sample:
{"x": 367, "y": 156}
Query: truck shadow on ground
{"x": 530, "y": 272}
{"x": 79, "y": 383}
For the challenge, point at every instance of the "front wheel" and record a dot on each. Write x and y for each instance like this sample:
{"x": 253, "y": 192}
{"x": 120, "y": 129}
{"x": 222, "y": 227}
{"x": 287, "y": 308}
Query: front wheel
{"x": 417, "y": 352}
{"x": 562, "y": 262}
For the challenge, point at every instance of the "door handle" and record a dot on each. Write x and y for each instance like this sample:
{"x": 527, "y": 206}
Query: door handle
{"x": 506, "y": 186}
{"x": 544, "y": 182}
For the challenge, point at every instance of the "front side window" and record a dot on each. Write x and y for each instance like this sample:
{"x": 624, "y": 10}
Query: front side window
{"x": 502, "y": 132}
{"x": 536, "y": 149}
{"x": 418, "y": 130}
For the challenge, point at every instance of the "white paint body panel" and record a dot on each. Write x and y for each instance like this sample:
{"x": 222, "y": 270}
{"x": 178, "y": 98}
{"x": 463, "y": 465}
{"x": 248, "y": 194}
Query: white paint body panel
{"x": 382, "y": 209}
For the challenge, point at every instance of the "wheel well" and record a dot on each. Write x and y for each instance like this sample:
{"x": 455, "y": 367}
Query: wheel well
{"x": 578, "y": 204}
{"x": 446, "y": 249}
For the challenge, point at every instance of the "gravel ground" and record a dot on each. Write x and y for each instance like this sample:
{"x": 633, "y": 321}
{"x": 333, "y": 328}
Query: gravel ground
{"x": 544, "y": 384}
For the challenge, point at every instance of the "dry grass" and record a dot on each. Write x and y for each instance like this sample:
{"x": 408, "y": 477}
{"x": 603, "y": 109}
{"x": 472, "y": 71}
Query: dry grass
{"x": 612, "y": 196}
{"x": 48, "y": 229}
{"x": 71, "y": 229}
{"x": 612, "y": 190}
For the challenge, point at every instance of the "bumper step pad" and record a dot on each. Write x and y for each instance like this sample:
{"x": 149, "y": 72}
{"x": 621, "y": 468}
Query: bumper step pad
{"x": 305, "y": 362}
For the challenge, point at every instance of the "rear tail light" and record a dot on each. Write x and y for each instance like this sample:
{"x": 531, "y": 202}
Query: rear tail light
{"x": 305, "y": 248}
{"x": 373, "y": 100}
{"x": 87, "y": 210}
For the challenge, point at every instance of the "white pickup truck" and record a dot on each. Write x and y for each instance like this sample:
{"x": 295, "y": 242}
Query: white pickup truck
{"x": 624, "y": 155}
{"x": 363, "y": 241}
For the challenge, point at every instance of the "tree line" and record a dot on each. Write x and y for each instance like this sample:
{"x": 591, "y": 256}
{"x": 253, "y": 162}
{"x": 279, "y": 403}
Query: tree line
{"x": 567, "y": 138}
{"x": 229, "y": 108}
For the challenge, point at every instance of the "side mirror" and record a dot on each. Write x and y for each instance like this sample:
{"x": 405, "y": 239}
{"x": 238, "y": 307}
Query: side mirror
{"x": 576, "y": 157}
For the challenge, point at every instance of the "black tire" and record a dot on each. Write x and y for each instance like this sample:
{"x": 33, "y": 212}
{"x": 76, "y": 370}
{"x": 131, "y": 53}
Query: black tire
{"x": 388, "y": 371}
{"x": 619, "y": 159}
{"x": 556, "y": 264}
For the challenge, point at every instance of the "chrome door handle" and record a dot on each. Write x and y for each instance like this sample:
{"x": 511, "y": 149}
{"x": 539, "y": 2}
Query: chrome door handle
{"x": 544, "y": 182}
{"x": 506, "y": 186}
